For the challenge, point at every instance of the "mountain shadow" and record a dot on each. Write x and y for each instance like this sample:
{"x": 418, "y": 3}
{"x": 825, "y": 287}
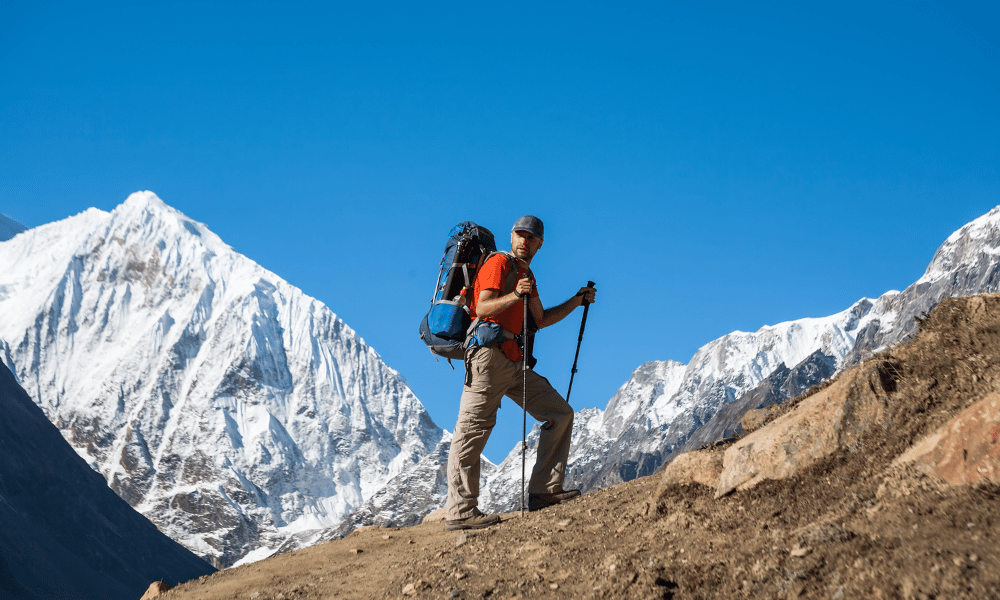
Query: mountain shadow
{"x": 65, "y": 533}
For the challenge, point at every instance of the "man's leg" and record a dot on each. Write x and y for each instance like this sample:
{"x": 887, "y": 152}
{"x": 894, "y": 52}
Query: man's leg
{"x": 477, "y": 414}
{"x": 545, "y": 404}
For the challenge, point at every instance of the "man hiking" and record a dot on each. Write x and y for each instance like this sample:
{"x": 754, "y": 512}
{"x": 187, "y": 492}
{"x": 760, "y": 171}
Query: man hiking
{"x": 493, "y": 370}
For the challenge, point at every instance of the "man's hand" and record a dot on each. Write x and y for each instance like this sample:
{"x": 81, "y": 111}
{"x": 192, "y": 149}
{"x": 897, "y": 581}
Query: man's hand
{"x": 523, "y": 286}
{"x": 587, "y": 295}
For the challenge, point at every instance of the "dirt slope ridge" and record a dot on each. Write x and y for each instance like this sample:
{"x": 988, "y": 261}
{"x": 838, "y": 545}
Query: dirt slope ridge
{"x": 853, "y": 525}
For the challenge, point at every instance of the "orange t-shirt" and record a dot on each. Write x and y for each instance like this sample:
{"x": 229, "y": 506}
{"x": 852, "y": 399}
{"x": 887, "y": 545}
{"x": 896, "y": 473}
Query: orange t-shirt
{"x": 493, "y": 276}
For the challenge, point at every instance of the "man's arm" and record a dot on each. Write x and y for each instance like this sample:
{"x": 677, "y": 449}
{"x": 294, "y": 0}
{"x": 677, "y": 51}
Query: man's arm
{"x": 551, "y": 316}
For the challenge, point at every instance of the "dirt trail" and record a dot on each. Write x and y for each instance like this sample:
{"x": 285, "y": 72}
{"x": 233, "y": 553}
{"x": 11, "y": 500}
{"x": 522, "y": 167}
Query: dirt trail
{"x": 853, "y": 526}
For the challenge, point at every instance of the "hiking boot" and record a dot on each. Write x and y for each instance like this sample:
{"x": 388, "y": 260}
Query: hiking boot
{"x": 476, "y": 521}
{"x": 540, "y": 501}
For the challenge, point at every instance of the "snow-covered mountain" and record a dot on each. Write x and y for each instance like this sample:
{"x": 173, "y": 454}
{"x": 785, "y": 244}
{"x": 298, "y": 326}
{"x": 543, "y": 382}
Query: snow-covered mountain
{"x": 65, "y": 534}
{"x": 9, "y": 227}
{"x": 214, "y": 397}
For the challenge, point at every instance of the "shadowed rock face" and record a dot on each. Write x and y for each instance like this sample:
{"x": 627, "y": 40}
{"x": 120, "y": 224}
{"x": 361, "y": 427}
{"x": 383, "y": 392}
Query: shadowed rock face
{"x": 9, "y": 227}
{"x": 65, "y": 533}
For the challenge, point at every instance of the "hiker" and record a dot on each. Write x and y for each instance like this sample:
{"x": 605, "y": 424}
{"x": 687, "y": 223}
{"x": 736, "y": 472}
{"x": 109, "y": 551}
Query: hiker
{"x": 494, "y": 370}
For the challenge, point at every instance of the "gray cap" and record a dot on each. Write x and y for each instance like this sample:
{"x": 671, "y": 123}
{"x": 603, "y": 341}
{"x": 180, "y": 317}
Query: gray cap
{"x": 532, "y": 225}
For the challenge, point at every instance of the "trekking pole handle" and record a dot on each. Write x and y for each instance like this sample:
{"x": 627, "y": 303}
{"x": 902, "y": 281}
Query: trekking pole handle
{"x": 586, "y": 309}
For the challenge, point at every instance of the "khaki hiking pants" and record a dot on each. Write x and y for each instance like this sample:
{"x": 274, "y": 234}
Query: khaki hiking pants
{"x": 491, "y": 376}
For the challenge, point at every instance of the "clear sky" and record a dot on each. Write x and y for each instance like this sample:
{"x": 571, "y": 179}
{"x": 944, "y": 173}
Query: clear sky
{"x": 713, "y": 166}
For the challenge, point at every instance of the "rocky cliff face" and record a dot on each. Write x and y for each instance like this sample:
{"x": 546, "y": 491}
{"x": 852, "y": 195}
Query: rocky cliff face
{"x": 215, "y": 398}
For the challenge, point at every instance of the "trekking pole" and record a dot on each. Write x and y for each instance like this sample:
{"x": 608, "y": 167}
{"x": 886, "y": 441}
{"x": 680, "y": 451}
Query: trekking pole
{"x": 524, "y": 398}
{"x": 583, "y": 324}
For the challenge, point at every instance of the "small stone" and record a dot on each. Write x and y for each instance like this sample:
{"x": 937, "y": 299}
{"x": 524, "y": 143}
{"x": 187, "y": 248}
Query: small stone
{"x": 411, "y": 589}
{"x": 799, "y": 551}
{"x": 973, "y": 558}
{"x": 553, "y": 586}
{"x": 564, "y": 524}
{"x": 958, "y": 561}
{"x": 387, "y": 537}
{"x": 356, "y": 550}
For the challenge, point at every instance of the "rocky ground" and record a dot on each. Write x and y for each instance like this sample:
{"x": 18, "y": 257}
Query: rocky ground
{"x": 854, "y": 523}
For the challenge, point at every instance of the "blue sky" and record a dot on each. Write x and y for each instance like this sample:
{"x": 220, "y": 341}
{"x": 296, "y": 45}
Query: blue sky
{"x": 713, "y": 166}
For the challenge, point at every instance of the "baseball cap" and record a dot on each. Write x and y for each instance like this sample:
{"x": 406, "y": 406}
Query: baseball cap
{"x": 532, "y": 225}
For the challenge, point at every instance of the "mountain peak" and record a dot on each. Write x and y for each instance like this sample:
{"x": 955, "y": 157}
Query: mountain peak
{"x": 144, "y": 198}
{"x": 147, "y": 205}
{"x": 977, "y": 242}
{"x": 154, "y": 219}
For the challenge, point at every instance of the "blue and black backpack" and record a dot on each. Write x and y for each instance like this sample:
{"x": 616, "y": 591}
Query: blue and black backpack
{"x": 447, "y": 322}
{"x": 447, "y": 329}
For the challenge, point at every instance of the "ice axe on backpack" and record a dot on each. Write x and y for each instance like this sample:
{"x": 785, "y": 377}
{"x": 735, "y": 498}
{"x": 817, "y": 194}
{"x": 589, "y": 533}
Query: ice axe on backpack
{"x": 583, "y": 324}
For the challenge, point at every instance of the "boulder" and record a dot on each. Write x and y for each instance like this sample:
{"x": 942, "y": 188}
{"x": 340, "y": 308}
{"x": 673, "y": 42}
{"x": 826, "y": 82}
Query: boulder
{"x": 966, "y": 450}
{"x": 155, "y": 590}
{"x": 834, "y": 419}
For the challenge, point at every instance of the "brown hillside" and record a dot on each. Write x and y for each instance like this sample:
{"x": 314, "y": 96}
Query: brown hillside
{"x": 854, "y": 524}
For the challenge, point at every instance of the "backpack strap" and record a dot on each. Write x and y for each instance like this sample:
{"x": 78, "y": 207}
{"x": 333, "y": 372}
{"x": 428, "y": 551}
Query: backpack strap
{"x": 511, "y": 281}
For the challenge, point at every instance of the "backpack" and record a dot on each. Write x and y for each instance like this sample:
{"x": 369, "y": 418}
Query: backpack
{"x": 444, "y": 327}
{"x": 447, "y": 324}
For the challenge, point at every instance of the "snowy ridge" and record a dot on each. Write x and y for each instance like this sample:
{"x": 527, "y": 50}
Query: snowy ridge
{"x": 223, "y": 403}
